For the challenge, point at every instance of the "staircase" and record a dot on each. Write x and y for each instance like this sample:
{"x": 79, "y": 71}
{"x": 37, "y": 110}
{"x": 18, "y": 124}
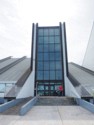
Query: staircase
{"x": 55, "y": 101}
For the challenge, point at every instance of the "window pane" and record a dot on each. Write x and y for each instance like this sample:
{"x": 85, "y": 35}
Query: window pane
{"x": 58, "y": 65}
{"x": 58, "y": 75}
{"x": 51, "y": 48}
{"x": 45, "y": 32}
{"x": 51, "y": 39}
{"x": 51, "y": 83}
{"x": 40, "y": 93}
{"x": 46, "y": 48}
{"x": 52, "y": 65}
{"x": 57, "y": 31}
{"x": 46, "y": 87}
{"x": 51, "y": 87}
{"x": 40, "y": 65}
{"x": 46, "y": 75}
{"x": 40, "y": 48}
{"x": 40, "y": 40}
{"x": 39, "y": 82}
{"x": 52, "y": 56}
{"x": 57, "y": 47}
{"x": 40, "y": 87}
{"x": 45, "y": 40}
{"x": 56, "y": 87}
{"x": 40, "y": 32}
{"x": 46, "y": 83}
{"x": 57, "y": 39}
{"x": 46, "y": 65}
{"x": 57, "y": 56}
{"x": 40, "y": 56}
{"x": 39, "y": 75}
{"x": 52, "y": 75}
{"x": 51, "y": 31}
{"x": 46, "y": 56}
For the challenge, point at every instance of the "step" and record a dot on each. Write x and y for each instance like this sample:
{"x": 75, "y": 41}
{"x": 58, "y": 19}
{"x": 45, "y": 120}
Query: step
{"x": 44, "y": 100}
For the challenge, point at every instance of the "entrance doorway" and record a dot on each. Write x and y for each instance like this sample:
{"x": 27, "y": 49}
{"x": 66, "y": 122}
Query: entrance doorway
{"x": 48, "y": 89}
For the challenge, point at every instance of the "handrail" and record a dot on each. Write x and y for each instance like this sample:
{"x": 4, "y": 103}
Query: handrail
{"x": 87, "y": 105}
{"x": 25, "y": 108}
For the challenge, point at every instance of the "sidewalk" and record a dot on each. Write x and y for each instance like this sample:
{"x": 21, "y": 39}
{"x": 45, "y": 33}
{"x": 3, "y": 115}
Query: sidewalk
{"x": 51, "y": 115}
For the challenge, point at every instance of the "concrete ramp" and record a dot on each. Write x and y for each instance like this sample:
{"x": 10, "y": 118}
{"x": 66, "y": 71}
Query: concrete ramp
{"x": 15, "y": 109}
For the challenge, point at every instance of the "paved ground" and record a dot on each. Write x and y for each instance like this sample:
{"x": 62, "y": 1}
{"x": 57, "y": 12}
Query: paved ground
{"x": 51, "y": 115}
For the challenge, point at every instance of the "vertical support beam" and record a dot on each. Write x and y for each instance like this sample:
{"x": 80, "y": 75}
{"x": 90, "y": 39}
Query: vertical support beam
{"x": 32, "y": 50}
{"x": 64, "y": 52}
{"x": 62, "y": 55}
{"x": 35, "y": 86}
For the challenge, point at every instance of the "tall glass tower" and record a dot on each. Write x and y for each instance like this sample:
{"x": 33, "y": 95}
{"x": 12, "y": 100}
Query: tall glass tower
{"x": 49, "y": 64}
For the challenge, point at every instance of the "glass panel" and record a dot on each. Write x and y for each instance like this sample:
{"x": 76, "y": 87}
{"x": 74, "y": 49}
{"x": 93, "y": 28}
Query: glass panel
{"x": 46, "y": 75}
{"x": 46, "y": 83}
{"x": 56, "y": 87}
{"x": 40, "y": 48}
{"x": 57, "y": 39}
{"x": 57, "y": 47}
{"x": 52, "y": 83}
{"x": 39, "y": 82}
{"x": 40, "y": 32}
{"x": 52, "y": 93}
{"x": 46, "y": 65}
{"x": 51, "y": 31}
{"x": 40, "y": 40}
{"x": 46, "y": 48}
{"x": 57, "y": 31}
{"x": 52, "y": 65}
{"x": 52, "y": 75}
{"x": 51, "y": 39}
{"x": 52, "y": 56}
{"x": 2, "y": 88}
{"x": 40, "y": 87}
{"x": 45, "y": 40}
{"x": 45, "y": 32}
{"x": 58, "y": 75}
{"x": 39, "y": 75}
{"x": 46, "y": 93}
{"x": 51, "y": 48}
{"x": 46, "y": 56}
{"x": 40, "y": 56}
{"x": 40, "y": 93}
{"x": 51, "y": 87}
{"x": 40, "y": 65}
{"x": 46, "y": 87}
{"x": 57, "y": 56}
{"x": 58, "y": 65}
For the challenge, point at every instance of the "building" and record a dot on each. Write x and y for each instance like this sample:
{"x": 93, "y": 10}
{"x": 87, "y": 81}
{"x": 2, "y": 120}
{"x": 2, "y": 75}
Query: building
{"x": 46, "y": 70}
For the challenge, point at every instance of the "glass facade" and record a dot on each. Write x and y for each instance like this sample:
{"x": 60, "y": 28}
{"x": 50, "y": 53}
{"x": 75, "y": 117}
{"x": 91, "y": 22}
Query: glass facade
{"x": 49, "y": 69}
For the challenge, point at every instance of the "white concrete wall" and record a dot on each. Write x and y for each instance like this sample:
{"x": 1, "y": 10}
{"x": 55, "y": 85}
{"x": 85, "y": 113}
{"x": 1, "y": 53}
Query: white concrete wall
{"x": 28, "y": 88}
{"x": 88, "y": 61}
{"x": 69, "y": 89}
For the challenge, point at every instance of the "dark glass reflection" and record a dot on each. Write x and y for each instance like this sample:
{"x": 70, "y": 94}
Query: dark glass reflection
{"x": 40, "y": 32}
{"x": 49, "y": 66}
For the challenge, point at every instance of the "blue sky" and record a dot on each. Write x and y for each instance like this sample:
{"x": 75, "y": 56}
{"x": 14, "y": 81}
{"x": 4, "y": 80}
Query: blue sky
{"x": 17, "y": 16}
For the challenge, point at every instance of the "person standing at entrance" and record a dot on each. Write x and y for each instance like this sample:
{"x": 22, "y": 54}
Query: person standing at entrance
{"x": 60, "y": 89}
